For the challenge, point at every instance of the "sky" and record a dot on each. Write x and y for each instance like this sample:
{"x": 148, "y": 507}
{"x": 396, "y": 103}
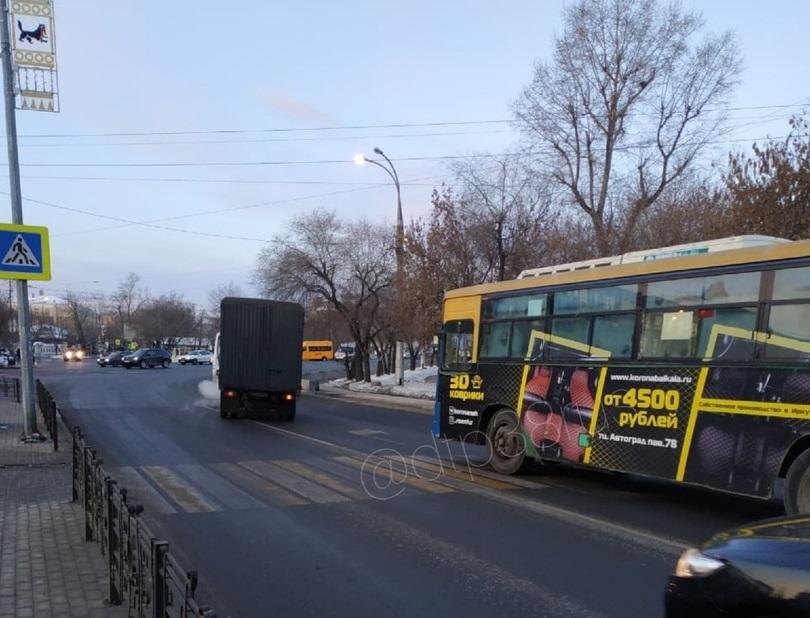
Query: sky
{"x": 254, "y": 112}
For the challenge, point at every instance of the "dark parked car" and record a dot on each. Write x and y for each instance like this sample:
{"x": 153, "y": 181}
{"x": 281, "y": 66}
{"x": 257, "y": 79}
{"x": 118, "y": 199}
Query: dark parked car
{"x": 758, "y": 570}
{"x": 112, "y": 359}
{"x": 147, "y": 357}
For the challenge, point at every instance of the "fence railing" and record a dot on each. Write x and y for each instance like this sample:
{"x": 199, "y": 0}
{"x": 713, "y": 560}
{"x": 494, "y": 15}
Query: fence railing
{"x": 141, "y": 571}
{"x": 49, "y": 409}
{"x": 10, "y": 387}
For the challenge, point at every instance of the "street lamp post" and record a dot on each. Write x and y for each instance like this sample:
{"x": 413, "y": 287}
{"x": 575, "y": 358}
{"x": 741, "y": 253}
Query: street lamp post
{"x": 399, "y": 245}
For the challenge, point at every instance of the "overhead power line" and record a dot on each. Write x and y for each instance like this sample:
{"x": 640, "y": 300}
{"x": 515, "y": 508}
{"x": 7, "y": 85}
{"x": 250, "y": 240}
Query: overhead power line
{"x": 482, "y": 155}
{"x": 237, "y": 181}
{"x": 400, "y": 125}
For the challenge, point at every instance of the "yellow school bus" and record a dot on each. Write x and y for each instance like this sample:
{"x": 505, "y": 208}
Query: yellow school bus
{"x": 317, "y": 351}
{"x": 687, "y": 363}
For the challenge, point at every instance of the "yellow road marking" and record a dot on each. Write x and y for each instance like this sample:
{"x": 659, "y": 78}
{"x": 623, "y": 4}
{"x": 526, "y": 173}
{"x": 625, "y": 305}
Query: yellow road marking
{"x": 258, "y": 484}
{"x": 322, "y": 478}
{"x": 455, "y": 474}
{"x": 183, "y": 493}
{"x": 397, "y": 477}
{"x": 292, "y": 482}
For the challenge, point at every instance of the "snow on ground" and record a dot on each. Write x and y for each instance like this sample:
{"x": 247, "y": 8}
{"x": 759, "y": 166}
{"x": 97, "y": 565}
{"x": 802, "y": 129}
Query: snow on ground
{"x": 418, "y": 384}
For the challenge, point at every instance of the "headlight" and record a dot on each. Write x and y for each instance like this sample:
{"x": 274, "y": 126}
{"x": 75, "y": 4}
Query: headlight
{"x": 79, "y": 354}
{"x": 692, "y": 563}
{"x": 68, "y": 354}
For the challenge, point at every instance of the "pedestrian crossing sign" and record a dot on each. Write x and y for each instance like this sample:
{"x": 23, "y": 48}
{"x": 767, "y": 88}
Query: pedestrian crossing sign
{"x": 24, "y": 252}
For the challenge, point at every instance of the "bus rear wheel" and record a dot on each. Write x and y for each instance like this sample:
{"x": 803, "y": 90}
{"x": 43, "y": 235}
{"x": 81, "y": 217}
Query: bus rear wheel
{"x": 507, "y": 450}
{"x": 797, "y": 486}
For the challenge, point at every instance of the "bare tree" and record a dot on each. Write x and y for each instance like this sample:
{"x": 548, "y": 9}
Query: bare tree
{"x": 164, "y": 320}
{"x": 507, "y": 211}
{"x": 83, "y": 318}
{"x": 349, "y": 265}
{"x": 769, "y": 190}
{"x": 127, "y": 301}
{"x": 215, "y": 297}
{"x": 625, "y": 107}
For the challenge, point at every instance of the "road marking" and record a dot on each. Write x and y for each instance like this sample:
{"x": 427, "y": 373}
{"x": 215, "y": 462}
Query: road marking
{"x": 292, "y": 482}
{"x": 139, "y": 491}
{"x": 636, "y": 536}
{"x": 184, "y": 494}
{"x": 444, "y": 471}
{"x": 258, "y": 484}
{"x": 368, "y": 432}
{"x": 397, "y": 477}
{"x": 322, "y": 478}
{"x": 479, "y": 471}
{"x": 227, "y": 493}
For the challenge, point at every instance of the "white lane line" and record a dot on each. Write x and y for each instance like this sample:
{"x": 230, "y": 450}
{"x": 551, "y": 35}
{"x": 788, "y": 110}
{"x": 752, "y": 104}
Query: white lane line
{"x": 367, "y": 432}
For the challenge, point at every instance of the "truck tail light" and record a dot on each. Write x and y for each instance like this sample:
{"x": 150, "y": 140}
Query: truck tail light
{"x": 289, "y": 397}
{"x": 230, "y": 393}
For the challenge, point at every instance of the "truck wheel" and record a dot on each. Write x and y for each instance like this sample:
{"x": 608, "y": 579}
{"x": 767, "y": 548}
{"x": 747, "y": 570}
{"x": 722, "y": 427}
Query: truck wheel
{"x": 166, "y": 363}
{"x": 505, "y": 444}
{"x": 797, "y": 486}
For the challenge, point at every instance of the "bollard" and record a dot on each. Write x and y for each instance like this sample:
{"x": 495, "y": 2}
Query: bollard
{"x": 17, "y": 390}
{"x": 54, "y": 427}
{"x": 76, "y": 434}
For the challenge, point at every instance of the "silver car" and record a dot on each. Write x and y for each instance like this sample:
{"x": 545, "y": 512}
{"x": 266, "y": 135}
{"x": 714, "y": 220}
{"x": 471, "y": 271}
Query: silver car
{"x": 195, "y": 357}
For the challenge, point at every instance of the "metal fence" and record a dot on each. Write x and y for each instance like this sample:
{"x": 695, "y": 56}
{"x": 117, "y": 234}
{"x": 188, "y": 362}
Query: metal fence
{"x": 141, "y": 571}
{"x": 10, "y": 387}
{"x": 49, "y": 409}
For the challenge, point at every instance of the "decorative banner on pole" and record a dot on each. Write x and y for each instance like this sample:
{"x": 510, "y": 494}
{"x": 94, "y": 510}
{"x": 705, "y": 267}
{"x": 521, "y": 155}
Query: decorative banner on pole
{"x": 34, "y": 52}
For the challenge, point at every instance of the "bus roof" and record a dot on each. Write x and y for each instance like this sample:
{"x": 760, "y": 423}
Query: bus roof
{"x": 777, "y": 249}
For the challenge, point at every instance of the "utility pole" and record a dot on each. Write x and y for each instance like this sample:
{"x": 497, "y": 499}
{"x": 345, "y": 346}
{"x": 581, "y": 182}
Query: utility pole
{"x": 23, "y": 312}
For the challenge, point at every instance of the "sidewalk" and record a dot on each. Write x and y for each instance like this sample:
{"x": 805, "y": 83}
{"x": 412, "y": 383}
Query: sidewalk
{"x": 46, "y": 567}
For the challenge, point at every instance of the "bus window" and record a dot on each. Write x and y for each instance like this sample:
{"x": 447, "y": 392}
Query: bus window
{"x": 791, "y": 283}
{"x": 718, "y": 289}
{"x": 669, "y": 334}
{"x": 494, "y": 340}
{"x": 711, "y": 320}
{"x": 514, "y": 307}
{"x": 614, "y": 333}
{"x": 574, "y": 329}
{"x": 592, "y": 300}
{"x": 789, "y": 335}
{"x": 458, "y": 345}
{"x": 521, "y": 332}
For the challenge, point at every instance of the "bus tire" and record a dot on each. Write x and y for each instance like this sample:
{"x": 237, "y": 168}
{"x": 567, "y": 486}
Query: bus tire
{"x": 797, "y": 486}
{"x": 506, "y": 448}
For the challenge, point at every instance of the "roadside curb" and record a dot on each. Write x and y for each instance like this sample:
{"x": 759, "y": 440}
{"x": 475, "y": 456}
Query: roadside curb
{"x": 407, "y": 404}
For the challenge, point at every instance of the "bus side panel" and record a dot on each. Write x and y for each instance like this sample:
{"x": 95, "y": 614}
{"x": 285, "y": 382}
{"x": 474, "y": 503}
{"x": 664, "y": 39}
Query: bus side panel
{"x": 463, "y": 397}
{"x": 744, "y": 424}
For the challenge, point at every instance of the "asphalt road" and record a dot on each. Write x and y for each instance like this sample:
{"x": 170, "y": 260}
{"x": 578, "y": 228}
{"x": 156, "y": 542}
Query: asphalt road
{"x": 317, "y": 517}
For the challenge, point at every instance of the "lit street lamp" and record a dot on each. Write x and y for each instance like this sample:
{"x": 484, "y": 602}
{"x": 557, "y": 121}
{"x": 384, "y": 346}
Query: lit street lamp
{"x": 399, "y": 246}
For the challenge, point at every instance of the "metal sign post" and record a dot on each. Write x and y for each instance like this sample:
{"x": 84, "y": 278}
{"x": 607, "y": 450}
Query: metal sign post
{"x": 23, "y": 311}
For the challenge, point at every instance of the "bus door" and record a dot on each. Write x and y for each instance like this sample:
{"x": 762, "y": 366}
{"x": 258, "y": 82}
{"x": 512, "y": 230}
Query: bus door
{"x": 456, "y": 418}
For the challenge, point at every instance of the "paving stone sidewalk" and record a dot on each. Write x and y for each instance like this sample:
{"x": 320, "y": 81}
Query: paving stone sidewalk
{"x": 46, "y": 566}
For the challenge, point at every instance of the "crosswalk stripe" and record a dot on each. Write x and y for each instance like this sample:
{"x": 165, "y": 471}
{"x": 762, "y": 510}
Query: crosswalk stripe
{"x": 225, "y": 492}
{"x": 139, "y": 491}
{"x": 397, "y": 476}
{"x": 258, "y": 484}
{"x": 444, "y": 471}
{"x": 292, "y": 482}
{"x": 478, "y": 471}
{"x": 188, "y": 497}
{"x": 323, "y": 479}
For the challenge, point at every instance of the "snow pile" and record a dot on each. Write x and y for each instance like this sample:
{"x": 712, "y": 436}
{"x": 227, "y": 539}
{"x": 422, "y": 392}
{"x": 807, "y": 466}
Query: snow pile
{"x": 418, "y": 384}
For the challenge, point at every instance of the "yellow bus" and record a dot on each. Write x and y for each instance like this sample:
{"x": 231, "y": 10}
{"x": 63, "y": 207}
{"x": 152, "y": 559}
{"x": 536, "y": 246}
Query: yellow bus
{"x": 687, "y": 363}
{"x": 317, "y": 351}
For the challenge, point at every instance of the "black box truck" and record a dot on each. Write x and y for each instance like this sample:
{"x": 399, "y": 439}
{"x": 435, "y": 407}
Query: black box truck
{"x": 258, "y": 357}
